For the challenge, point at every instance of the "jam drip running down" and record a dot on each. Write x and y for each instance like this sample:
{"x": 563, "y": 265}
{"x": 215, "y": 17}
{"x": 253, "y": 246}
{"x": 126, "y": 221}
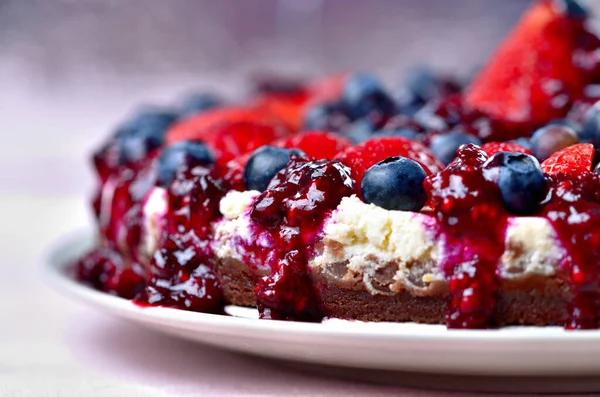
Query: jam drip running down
{"x": 183, "y": 264}
{"x": 473, "y": 223}
{"x": 291, "y": 211}
{"x": 574, "y": 210}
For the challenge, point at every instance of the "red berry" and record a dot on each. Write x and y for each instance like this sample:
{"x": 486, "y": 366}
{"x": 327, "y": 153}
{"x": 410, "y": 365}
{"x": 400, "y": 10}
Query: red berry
{"x": 492, "y": 148}
{"x": 366, "y": 154}
{"x": 570, "y": 161}
{"x": 231, "y": 140}
{"x": 204, "y": 125}
{"x": 317, "y": 144}
{"x": 539, "y": 69}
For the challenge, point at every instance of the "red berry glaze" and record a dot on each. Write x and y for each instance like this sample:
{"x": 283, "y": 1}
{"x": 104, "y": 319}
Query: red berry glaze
{"x": 574, "y": 211}
{"x": 464, "y": 201}
{"x": 286, "y": 219}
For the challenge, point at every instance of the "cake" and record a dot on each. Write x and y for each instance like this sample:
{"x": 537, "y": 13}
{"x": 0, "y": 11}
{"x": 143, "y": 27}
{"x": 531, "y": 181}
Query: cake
{"x": 474, "y": 206}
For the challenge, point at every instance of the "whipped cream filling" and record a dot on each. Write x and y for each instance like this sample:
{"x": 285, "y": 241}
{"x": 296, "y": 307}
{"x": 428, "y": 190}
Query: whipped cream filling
{"x": 235, "y": 224}
{"x": 371, "y": 240}
{"x": 154, "y": 209}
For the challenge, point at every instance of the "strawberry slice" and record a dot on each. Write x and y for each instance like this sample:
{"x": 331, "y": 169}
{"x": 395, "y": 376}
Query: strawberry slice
{"x": 366, "y": 154}
{"x": 570, "y": 161}
{"x": 317, "y": 144}
{"x": 539, "y": 69}
{"x": 198, "y": 127}
{"x": 492, "y": 148}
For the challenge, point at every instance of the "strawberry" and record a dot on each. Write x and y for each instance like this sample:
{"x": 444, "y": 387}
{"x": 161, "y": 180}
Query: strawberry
{"x": 234, "y": 139}
{"x": 492, "y": 148}
{"x": 198, "y": 127}
{"x": 570, "y": 161}
{"x": 317, "y": 144}
{"x": 539, "y": 69}
{"x": 366, "y": 154}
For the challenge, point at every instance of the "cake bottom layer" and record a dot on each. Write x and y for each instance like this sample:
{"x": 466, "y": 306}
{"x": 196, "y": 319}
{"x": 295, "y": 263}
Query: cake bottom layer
{"x": 534, "y": 300}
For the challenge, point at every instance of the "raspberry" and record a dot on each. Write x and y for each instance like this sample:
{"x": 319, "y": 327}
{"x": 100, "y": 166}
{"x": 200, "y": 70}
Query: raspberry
{"x": 363, "y": 156}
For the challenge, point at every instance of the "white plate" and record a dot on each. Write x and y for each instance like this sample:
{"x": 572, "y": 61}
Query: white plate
{"x": 520, "y": 351}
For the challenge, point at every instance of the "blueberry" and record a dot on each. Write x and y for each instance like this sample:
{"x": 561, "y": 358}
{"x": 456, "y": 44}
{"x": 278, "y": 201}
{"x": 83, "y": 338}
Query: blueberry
{"x": 444, "y": 146}
{"x": 264, "y": 164}
{"x": 395, "y": 183}
{"x": 178, "y": 154}
{"x": 142, "y": 133}
{"x": 193, "y": 104}
{"x": 590, "y": 132}
{"x": 572, "y": 8}
{"x": 552, "y": 138}
{"x": 359, "y": 131}
{"x": 520, "y": 179}
{"x": 326, "y": 117}
{"x": 363, "y": 95}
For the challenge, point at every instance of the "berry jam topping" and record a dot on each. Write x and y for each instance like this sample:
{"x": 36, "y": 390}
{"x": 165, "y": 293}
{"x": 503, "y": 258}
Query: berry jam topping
{"x": 462, "y": 198}
{"x": 574, "y": 210}
{"x": 395, "y": 183}
{"x": 180, "y": 154}
{"x": 291, "y": 211}
{"x": 105, "y": 270}
{"x": 198, "y": 291}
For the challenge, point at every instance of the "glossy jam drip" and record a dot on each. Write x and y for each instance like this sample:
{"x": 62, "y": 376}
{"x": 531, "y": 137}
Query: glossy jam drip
{"x": 105, "y": 270}
{"x": 574, "y": 210}
{"x": 290, "y": 213}
{"x": 198, "y": 291}
{"x": 473, "y": 223}
{"x": 182, "y": 264}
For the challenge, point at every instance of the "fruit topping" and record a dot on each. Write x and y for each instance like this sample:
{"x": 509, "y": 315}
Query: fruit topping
{"x": 492, "y": 148}
{"x": 520, "y": 179}
{"x": 539, "y": 69}
{"x": 364, "y": 96}
{"x": 444, "y": 146}
{"x": 365, "y": 155}
{"x": 326, "y": 117}
{"x": 395, "y": 183}
{"x": 208, "y": 125}
{"x": 462, "y": 198}
{"x": 317, "y": 144}
{"x": 264, "y": 164}
{"x": 105, "y": 270}
{"x": 590, "y": 131}
{"x": 552, "y": 138}
{"x": 196, "y": 103}
{"x": 199, "y": 291}
{"x": 423, "y": 85}
{"x": 177, "y": 155}
{"x": 570, "y": 161}
{"x": 290, "y": 214}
